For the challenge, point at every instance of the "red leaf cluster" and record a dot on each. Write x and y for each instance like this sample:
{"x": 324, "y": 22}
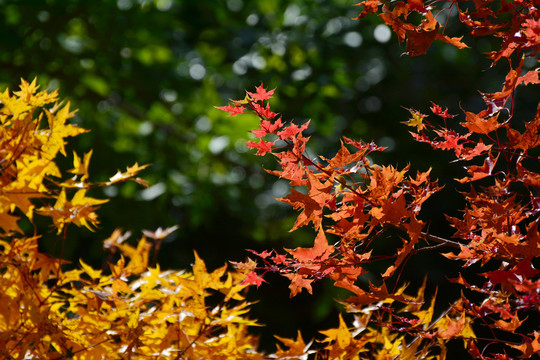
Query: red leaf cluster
{"x": 352, "y": 202}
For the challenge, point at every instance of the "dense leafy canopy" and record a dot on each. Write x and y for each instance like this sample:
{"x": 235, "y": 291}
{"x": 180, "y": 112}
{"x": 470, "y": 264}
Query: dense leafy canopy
{"x": 133, "y": 69}
{"x": 144, "y": 75}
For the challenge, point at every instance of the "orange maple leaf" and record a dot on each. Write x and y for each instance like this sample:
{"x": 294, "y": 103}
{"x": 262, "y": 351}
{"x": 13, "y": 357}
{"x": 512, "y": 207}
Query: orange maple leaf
{"x": 312, "y": 203}
{"x": 298, "y": 283}
{"x": 529, "y": 348}
{"x": 455, "y": 41}
{"x": 320, "y": 250}
{"x": 370, "y": 7}
{"x": 480, "y": 172}
{"x": 481, "y": 125}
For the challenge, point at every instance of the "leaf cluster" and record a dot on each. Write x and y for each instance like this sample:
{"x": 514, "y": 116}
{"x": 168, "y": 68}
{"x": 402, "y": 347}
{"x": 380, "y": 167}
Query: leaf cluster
{"x": 34, "y": 131}
{"x": 129, "y": 309}
{"x": 355, "y": 201}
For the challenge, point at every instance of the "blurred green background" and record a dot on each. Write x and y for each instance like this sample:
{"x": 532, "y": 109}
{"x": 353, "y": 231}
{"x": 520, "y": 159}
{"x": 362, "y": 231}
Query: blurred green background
{"x": 146, "y": 75}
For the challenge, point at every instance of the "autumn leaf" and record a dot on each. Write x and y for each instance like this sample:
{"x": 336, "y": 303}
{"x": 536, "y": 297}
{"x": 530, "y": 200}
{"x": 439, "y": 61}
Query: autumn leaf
{"x": 312, "y": 203}
{"x": 449, "y": 328}
{"x": 480, "y": 125}
{"x": 264, "y": 111}
{"x": 530, "y": 347}
{"x": 115, "y": 239}
{"x": 232, "y": 110}
{"x": 296, "y": 348}
{"x": 340, "y": 335}
{"x": 480, "y": 172}
{"x": 292, "y": 130}
{"x": 263, "y": 255}
{"x": 80, "y": 210}
{"x": 401, "y": 255}
{"x": 160, "y": 233}
{"x": 455, "y": 41}
{"x": 80, "y": 167}
{"x": 418, "y": 41}
{"x": 530, "y": 138}
{"x": 9, "y": 223}
{"x": 344, "y": 157}
{"x": 298, "y": 283}
{"x": 437, "y": 110}
{"x": 261, "y": 93}
{"x": 247, "y": 266}
{"x": 262, "y": 146}
{"x": 129, "y": 174}
{"x": 416, "y": 120}
{"x": 480, "y": 148}
{"x": 511, "y": 325}
{"x": 530, "y": 77}
{"x": 267, "y": 127}
{"x": 417, "y": 5}
{"x": 370, "y": 7}
{"x": 94, "y": 274}
{"x": 253, "y": 279}
{"x": 320, "y": 250}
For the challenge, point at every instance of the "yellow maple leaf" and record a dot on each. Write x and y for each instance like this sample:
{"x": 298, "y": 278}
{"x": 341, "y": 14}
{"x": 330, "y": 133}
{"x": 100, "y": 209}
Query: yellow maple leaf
{"x": 79, "y": 211}
{"x": 341, "y": 335}
{"x": 81, "y": 167}
{"x": 416, "y": 120}
{"x": 129, "y": 174}
{"x": 297, "y": 348}
{"x": 29, "y": 93}
{"x": 94, "y": 274}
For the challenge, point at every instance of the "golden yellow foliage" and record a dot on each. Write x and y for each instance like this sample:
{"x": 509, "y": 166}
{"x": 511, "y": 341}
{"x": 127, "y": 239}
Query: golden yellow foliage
{"x": 33, "y": 131}
{"x": 136, "y": 312}
{"x": 129, "y": 311}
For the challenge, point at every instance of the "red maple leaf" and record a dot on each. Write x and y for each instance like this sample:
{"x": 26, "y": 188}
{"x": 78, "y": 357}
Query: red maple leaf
{"x": 479, "y": 149}
{"x": 261, "y": 93}
{"x": 264, "y": 111}
{"x": 530, "y": 138}
{"x": 292, "y": 130}
{"x": 253, "y": 279}
{"x": 262, "y": 255}
{"x": 262, "y": 146}
{"x": 418, "y": 41}
{"x": 417, "y": 5}
{"x": 279, "y": 259}
{"x": 232, "y": 110}
{"x": 530, "y": 347}
{"x": 437, "y": 110}
{"x": 531, "y": 30}
{"x": 451, "y": 139}
{"x": 453, "y": 328}
{"x": 267, "y": 127}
